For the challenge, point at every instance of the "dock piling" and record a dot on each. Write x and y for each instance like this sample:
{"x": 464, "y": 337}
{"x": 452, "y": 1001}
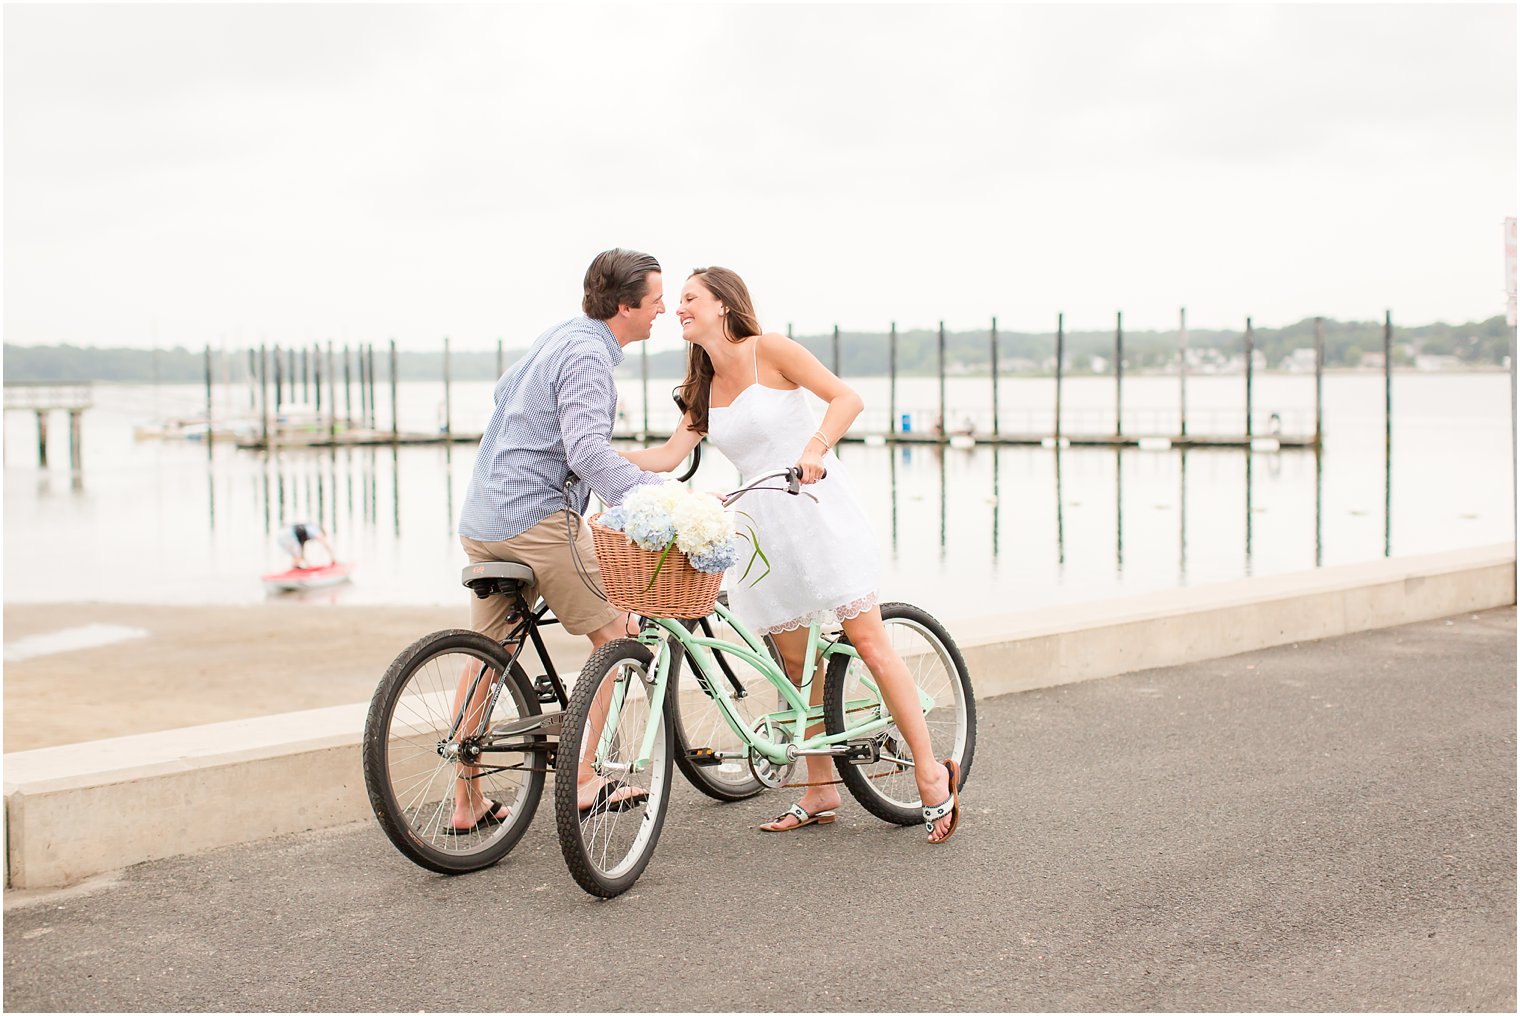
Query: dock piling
{"x": 76, "y": 441}
{"x": 208, "y": 400}
{"x": 892, "y": 379}
{"x": 1060, "y": 358}
{"x": 943, "y": 423}
{"x": 447, "y": 395}
{"x": 1119, "y": 373}
{"x": 994, "y": 338}
{"x": 1250, "y": 359}
{"x": 1319, "y": 385}
{"x": 264, "y": 394}
{"x": 1182, "y": 371}
{"x": 395, "y": 426}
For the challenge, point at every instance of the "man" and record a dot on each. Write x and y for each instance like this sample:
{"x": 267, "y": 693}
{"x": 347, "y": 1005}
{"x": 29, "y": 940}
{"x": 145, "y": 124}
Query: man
{"x": 553, "y": 416}
{"x": 293, "y": 539}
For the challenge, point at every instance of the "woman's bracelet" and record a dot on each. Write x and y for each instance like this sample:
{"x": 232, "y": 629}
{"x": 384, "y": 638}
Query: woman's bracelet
{"x": 822, "y": 439}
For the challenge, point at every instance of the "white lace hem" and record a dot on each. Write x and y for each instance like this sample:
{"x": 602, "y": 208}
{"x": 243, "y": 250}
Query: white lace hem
{"x": 845, "y": 612}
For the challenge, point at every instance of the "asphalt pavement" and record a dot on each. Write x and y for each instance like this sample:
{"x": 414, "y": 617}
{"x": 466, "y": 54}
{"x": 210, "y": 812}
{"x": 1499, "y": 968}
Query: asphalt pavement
{"x": 1324, "y": 826}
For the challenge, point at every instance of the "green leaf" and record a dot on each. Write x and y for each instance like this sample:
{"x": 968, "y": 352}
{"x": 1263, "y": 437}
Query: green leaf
{"x": 754, "y": 539}
{"x": 659, "y": 564}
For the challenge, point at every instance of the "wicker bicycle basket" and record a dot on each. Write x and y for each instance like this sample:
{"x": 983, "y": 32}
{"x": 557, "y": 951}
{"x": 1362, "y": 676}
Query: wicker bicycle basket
{"x": 678, "y": 591}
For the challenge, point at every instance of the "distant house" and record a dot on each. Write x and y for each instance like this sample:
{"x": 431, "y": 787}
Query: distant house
{"x": 1299, "y": 360}
{"x": 1436, "y": 361}
{"x": 1372, "y": 360}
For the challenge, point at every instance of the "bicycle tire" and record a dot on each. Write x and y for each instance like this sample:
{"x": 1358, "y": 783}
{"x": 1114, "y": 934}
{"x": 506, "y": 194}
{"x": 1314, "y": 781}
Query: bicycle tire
{"x": 607, "y": 850}
{"x": 409, "y": 781}
{"x": 887, "y": 789}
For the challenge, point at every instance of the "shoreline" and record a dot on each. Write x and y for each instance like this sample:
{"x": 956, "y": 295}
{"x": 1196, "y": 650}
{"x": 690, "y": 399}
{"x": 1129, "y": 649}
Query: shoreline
{"x": 208, "y": 664}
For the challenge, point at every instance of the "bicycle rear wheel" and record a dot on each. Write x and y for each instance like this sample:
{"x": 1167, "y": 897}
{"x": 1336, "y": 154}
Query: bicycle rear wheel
{"x": 412, "y": 771}
{"x": 608, "y": 846}
{"x": 886, "y": 788}
{"x": 699, "y": 723}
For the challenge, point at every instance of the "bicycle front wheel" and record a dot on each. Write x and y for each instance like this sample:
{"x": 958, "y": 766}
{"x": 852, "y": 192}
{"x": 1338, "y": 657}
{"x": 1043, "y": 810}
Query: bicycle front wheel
{"x": 608, "y": 844}
{"x": 886, "y": 788}
{"x": 419, "y": 736}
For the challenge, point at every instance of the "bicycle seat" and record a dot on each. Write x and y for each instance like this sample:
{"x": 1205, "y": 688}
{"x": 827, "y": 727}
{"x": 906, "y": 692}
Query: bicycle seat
{"x": 492, "y": 577}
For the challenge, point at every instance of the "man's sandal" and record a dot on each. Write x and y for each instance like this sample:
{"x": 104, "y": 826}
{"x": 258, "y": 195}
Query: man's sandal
{"x": 825, "y": 817}
{"x": 951, "y": 806}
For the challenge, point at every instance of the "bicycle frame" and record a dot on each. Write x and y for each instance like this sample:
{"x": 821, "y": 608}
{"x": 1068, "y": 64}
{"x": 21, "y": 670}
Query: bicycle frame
{"x": 793, "y": 720}
{"x": 523, "y": 634}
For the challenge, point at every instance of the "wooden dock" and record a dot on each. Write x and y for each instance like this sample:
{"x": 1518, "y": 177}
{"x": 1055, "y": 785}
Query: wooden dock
{"x": 46, "y": 397}
{"x": 1258, "y": 442}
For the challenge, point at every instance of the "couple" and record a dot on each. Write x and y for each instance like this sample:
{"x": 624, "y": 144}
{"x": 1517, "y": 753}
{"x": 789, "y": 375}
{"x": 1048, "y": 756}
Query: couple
{"x": 743, "y": 390}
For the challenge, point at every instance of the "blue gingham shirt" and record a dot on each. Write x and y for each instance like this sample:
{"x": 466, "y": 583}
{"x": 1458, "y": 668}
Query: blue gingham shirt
{"x": 554, "y": 412}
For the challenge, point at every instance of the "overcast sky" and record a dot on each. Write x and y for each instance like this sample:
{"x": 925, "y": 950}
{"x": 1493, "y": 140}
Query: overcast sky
{"x": 192, "y": 173}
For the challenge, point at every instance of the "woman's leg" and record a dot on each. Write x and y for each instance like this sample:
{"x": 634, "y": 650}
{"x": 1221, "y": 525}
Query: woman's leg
{"x": 824, "y": 795}
{"x": 869, "y": 637}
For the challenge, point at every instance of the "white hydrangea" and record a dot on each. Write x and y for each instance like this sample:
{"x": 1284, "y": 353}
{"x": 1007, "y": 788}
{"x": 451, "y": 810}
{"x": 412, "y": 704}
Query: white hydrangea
{"x": 701, "y": 524}
{"x": 654, "y": 515}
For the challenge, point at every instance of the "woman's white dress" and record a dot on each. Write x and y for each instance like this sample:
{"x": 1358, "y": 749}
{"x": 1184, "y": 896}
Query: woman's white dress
{"x": 822, "y": 555}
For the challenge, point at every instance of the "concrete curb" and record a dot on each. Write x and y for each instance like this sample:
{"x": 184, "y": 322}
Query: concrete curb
{"x": 79, "y": 810}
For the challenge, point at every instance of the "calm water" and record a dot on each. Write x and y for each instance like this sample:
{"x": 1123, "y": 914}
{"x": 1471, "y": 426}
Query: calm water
{"x": 963, "y": 531}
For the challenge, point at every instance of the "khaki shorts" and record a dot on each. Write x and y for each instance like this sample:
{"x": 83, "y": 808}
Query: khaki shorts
{"x": 545, "y": 549}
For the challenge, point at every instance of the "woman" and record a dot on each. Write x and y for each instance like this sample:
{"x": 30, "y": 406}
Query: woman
{"x": 745, "y": 391}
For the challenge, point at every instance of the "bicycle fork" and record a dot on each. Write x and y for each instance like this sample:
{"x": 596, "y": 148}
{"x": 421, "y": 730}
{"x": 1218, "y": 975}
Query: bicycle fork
{"x": 655, "y": 680}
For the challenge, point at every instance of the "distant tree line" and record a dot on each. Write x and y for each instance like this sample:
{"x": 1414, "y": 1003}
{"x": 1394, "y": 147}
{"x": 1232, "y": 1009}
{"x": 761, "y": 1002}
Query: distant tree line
{"x": 1479, "y": 343}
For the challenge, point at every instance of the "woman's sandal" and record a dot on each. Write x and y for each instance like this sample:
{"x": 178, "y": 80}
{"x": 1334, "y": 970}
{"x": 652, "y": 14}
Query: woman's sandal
{"x": 824, "y": 817}
{"x": 951, "y": 806}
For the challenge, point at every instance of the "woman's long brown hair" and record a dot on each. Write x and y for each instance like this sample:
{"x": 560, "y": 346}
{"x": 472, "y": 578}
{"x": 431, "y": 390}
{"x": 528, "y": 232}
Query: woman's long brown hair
{"x": 694, "y": 394}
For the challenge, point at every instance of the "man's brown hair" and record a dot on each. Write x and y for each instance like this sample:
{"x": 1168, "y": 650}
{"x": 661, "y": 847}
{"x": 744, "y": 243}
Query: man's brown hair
{"x": 617, "y": 277}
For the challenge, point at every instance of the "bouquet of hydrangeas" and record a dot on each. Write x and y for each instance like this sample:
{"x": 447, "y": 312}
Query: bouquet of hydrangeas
{"x": 657, "y": 518}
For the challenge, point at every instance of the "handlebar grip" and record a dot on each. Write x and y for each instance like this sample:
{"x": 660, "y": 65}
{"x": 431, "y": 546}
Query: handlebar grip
{"x": 794, "y": 478}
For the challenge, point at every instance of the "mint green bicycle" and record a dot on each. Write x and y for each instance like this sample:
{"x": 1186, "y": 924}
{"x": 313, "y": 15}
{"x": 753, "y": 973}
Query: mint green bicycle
{"x": 608, "y": 845}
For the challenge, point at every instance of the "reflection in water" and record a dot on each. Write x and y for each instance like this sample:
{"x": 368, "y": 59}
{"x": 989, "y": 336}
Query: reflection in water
{"x": 396, "y": 488}
{"x": 1250, "y": 458}
{"x": 1388, "y": 496}
{"x": 320, "y": 485}
{"x": 1319, "y": 507}
{"x": 1119, "y": 509}
{"x": 1182, "y": 454}
{"x": 941, "y": 452}
{"x": 1060, "y": 511}
{"x": 448, "y": 484}
{"x": 997, "y": 496}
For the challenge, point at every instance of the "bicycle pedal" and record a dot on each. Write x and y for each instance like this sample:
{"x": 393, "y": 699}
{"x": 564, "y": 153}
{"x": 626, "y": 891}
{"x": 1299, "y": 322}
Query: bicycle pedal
{"x": 704, "y": 757}
{"x": 860, "y": 753}
{"x": 545, "y": 688}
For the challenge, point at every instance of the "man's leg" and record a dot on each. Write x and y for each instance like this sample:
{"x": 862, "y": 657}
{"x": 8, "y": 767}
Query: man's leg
{"x": 489, "y": 617}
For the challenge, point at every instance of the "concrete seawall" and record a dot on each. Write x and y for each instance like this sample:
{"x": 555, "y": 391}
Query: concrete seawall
{"x": 78, "y": 810}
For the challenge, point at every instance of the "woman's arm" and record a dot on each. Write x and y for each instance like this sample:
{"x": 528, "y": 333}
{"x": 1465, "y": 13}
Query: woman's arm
{"x": 800, "y": 367}
{"x": 668, "y": 456}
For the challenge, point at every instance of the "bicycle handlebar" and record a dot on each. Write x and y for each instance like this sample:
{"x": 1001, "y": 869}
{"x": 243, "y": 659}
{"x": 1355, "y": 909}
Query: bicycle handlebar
{"x": 791, "y": 474}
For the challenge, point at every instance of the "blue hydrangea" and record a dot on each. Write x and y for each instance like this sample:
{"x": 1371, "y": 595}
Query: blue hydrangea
{"x": 720, "y": 557}
{"x": 650, "y": 530}
{"x": 614, "y": 518}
